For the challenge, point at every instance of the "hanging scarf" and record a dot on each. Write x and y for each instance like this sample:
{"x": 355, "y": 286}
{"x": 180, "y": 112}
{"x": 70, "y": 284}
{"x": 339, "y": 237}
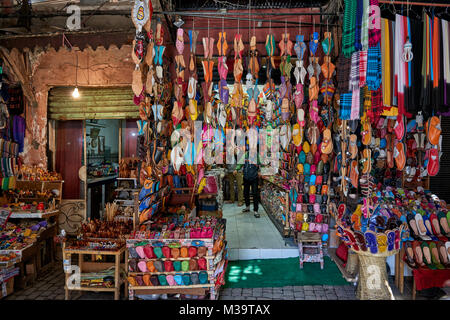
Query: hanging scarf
{"x": 446, "y": 61}
{"x": 362, "y": 68}
{"x": 358, "y": 23}
{"x": 365, "y": 26}
{"x": 346, "y": 106}
{"x": 377, "y": 105}
{"x": 343, "y": 73}
{"x": 400, "y": 65}
{"x": 374, "y": 67}
{"x": 354, "y": 81}
{"x": 426, "y": 70}
{"x": 348, "y": 33}
{"x": 386, "y": 63}
{"x": 374, "y": 22}
{"x": 438, "y": 85}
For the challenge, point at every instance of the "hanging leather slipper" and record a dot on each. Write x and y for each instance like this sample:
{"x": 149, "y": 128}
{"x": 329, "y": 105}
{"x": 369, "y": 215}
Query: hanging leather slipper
{"x": 433, "y": 130}
{"x": 399, "y": 127}
{"x": 353, "y": 148}
{"x": 354, "y": 174}
{"x": 366, "y": 133}
{"x": 433, "y": 162}
{"x": 327, "y": 143}
{"x": 367, "y": 161}
{"x": 400, "y": 156}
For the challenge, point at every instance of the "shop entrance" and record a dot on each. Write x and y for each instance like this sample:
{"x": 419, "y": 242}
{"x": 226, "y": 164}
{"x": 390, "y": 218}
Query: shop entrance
{"x": 92, "y": 135}
{"x": 257, "y": 238}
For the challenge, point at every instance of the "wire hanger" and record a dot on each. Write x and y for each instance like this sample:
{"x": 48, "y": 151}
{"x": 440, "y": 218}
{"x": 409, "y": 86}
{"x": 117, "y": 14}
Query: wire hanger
{"x": 393, "y": 6}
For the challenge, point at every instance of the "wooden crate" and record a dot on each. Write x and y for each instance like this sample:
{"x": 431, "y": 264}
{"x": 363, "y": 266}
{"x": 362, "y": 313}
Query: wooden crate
{"x": 9, "y": 288}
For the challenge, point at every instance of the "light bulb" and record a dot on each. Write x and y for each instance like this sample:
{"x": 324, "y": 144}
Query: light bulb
{"x": 75, "y": 93}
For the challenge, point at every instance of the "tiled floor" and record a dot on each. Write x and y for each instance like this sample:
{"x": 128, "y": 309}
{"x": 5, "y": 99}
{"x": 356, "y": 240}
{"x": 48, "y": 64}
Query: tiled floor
{"x": 254, "y": 238}
{"x": 50, "y": 286}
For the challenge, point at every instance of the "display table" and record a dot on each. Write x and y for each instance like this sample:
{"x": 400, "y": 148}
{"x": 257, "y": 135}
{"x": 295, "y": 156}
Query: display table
{"x": 95, "y": 267}
{"x": 34, "y": 215}
{"x": 373, "y": 281}
{"x": 425, "y": 279}
{"x": 46, "y": 248}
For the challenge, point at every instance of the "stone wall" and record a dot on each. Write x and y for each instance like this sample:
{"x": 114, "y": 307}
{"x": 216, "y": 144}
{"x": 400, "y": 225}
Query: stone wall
{"x": 99, "y": 68}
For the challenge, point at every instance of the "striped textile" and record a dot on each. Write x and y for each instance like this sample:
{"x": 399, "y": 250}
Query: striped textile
{"x": 362, "y": 68}
{"x": 356, "y": 104}
{"x": 365, "y": 26}
{"x": 354, "y": 73}
{"x": 343, "y": 68}
{"x": 346, "y": 106}
{"x": 348, "y": 32}
{"x": 377, "y": 105}
{"x": 374, "y": 67}
{"x": 358, "y": 24}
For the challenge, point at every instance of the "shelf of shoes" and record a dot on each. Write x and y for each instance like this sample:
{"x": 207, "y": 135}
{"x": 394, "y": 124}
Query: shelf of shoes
{"x": 177, "y": 261}
{"x": 275, "y": 200}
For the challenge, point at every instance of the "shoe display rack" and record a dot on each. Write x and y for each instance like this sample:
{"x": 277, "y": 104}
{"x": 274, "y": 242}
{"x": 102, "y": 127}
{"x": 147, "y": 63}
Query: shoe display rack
{"x": 191, "y": 264}
{"x": 275, "y": 200}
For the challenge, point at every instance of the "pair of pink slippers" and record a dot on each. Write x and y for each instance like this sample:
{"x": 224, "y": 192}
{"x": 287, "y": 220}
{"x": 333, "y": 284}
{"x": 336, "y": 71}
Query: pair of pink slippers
{"x": 201, "y": 233}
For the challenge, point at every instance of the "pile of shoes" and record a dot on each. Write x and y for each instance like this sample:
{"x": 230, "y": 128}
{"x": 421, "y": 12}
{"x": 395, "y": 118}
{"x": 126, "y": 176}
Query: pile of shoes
{"x": 373, "y": 230}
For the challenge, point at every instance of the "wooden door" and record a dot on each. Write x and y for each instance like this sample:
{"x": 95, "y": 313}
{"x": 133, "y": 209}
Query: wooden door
{"x": 69, "y": 151}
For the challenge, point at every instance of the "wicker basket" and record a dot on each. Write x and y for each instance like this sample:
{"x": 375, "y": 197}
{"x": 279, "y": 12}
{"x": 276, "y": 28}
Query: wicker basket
{"x": 373, "y": 281}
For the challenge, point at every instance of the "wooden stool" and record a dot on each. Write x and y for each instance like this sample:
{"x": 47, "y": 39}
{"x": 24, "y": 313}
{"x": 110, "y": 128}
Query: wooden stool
{"x": 309, "y": 240}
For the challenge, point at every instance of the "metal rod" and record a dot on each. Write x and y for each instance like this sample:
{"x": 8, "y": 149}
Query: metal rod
{"x": 259, "y": 20}
{"x": 181, "y": 13}
{"x": 425, "y": 4}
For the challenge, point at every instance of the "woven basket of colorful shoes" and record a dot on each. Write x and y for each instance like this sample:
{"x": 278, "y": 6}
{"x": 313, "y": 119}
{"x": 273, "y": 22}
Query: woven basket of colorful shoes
{"x": 377, "y": 233}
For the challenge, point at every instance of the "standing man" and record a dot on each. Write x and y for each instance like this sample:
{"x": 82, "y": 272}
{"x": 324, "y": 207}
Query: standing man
{"x": 234, "y": 173}
{"x": 251, "y": 174}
